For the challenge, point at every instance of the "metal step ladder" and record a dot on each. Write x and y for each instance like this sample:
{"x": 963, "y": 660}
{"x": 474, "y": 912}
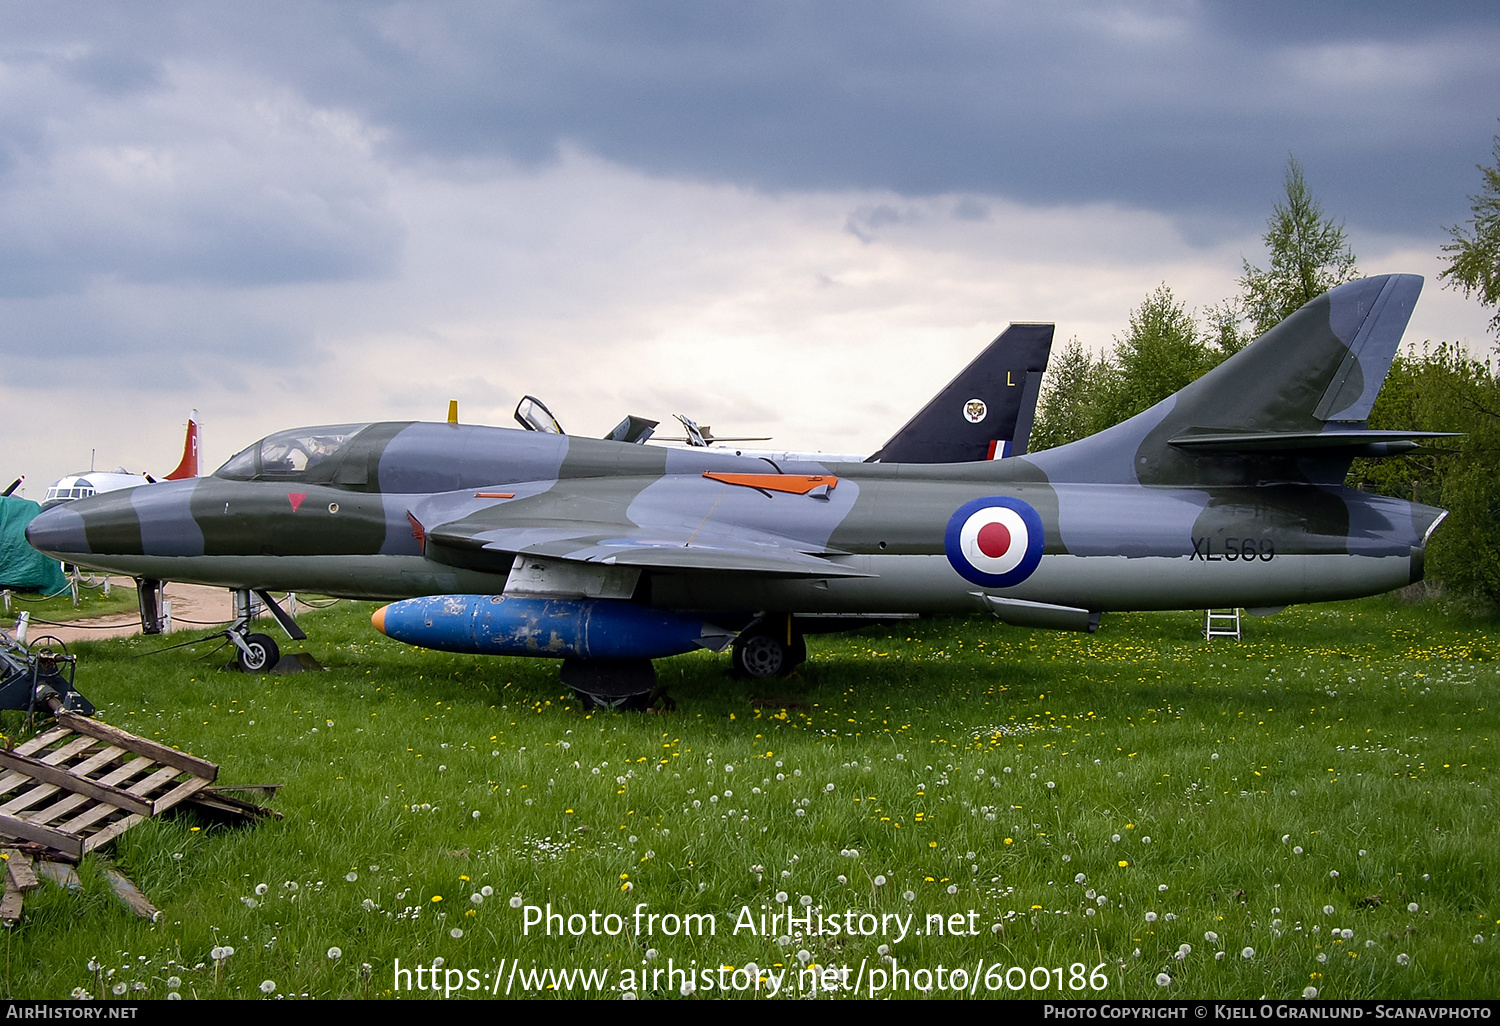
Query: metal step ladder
{"x": 1221, "y": 624}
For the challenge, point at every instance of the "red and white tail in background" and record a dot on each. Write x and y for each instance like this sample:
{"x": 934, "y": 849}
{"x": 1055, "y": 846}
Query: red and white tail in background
{"x": 189, "y": 465}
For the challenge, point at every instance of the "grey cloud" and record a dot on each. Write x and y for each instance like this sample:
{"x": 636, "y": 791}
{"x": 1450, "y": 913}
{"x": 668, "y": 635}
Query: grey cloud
{"x": 1185, "y": 108}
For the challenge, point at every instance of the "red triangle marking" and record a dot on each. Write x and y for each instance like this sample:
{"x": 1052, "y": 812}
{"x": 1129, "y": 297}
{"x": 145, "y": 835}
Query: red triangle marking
{"x": 296, "y": 498}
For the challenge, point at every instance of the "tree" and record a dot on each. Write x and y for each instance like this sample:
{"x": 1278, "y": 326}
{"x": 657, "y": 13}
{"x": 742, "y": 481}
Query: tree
{"x": 1160, "y": 353}
{"x": 1065, "y": 412}
{"x": 1309, "y": 256}
{"x": 1475, "y": 263}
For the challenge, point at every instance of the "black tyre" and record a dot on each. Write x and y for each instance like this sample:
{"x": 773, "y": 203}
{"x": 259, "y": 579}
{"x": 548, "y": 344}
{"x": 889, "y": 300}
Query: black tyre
{"x": 262, "y": 655}
{"x": 762, "y": 655}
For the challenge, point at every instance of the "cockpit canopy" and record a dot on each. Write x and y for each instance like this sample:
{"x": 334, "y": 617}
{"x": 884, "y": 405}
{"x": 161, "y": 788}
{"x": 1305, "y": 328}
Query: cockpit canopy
{"x": 301, "y": 454}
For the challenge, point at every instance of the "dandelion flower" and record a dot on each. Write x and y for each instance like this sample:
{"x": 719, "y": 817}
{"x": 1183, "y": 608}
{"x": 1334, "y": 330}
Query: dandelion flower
{"x": 1211, "y": 937}
{"x": 486, "y": 890}
{"x": 118, "y": 989}
{"x": 455, "y": 933}
{"x": 260, "y": 889}
{"x": 1413, "y": 907}
{"x": 1163, "y": 980}
{"x": 1328, "y": 910}
{"x": 1333, "y": 874}
{"x": 880, "y": 881}
{"x": 515, "y": 901}
{"x": 268, "y": 987}
{"x": 1403, "y": 959}
{"x": 781, "y": 897}
{"x": 1080, "y": 878}
{"x": 1248, "y": 953}
{"x": 335, "y": 954}
{"x": 909, "y": 896}
{"x": 1297, "y": 850}
{"x": 173, "y": 982}
{"x": 1310, "y": 993}
{"x": 1150, "y": 917}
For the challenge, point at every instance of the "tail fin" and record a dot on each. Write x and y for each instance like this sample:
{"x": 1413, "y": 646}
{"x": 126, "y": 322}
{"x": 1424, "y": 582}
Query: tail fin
{"x": 986, "y": 411}
{"x": 1291, "y": 406}
{"x": 189, "y": 465}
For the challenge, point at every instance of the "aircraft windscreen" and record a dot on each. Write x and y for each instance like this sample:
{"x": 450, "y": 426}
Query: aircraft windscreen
{"x": 288, "y": 455}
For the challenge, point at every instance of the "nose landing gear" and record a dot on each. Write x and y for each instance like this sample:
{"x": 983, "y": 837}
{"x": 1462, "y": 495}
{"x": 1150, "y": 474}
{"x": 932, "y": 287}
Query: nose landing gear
{"x": 258, "y": 653}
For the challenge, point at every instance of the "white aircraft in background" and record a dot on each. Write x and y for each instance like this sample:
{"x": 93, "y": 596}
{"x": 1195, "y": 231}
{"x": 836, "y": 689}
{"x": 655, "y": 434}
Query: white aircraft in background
{"x": 79, "y": 486}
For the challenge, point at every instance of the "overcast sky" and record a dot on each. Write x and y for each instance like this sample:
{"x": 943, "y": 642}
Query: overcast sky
{"x": 796, "y": 219}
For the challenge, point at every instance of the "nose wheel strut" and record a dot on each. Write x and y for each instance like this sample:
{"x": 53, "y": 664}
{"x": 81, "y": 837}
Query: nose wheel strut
{"x": 258, "y": 653}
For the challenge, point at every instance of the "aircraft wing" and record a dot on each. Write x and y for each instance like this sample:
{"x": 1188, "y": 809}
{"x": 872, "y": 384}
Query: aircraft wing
{"x": 486, "y": 538}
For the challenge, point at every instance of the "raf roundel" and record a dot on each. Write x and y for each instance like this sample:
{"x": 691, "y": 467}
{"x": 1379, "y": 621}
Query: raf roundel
{"x": 995, "y": 542}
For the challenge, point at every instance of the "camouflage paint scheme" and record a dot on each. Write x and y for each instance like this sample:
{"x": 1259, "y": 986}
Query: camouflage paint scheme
{"x": 1229, "y": 493}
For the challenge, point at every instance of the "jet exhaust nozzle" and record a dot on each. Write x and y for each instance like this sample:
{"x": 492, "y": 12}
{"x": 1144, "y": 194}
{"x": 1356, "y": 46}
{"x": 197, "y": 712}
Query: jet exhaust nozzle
{"x": 556, "y": 628}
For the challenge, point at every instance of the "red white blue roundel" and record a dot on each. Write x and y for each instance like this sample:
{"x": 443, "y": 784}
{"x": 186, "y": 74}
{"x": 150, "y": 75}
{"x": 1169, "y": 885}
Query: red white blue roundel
{"x": 994, "y": 542}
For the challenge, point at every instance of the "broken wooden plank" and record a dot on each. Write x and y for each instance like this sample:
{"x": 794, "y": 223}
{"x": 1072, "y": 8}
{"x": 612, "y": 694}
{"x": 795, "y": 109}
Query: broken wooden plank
{"x": 130, "y": 894}
{"x": 159, "y": 752}
{"x": 18, "y": 868}
{"x": 215, "y": 803}
{"x": 10, "y": 905}
{"x": 68, "y": 844}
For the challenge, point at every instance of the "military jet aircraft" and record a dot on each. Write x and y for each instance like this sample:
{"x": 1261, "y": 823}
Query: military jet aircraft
{"x": 609, "y": 555}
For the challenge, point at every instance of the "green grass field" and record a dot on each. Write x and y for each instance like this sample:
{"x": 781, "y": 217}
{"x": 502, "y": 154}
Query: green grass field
{"x": 60, "y": 609}
{"x": 1136, "y": 811}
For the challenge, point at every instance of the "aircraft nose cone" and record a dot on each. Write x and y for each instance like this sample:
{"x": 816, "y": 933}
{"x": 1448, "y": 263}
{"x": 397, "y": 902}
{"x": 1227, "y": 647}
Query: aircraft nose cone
{"x": 58, "y": 532}
{"x": 378, "y": 618}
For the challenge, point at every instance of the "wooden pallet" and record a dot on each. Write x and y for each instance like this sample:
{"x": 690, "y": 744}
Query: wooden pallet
{"x": 83, "y": 783}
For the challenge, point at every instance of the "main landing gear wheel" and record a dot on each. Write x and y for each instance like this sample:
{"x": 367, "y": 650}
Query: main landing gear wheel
{"x": 765, "y": 652}
{"x": 259, "y": 654}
